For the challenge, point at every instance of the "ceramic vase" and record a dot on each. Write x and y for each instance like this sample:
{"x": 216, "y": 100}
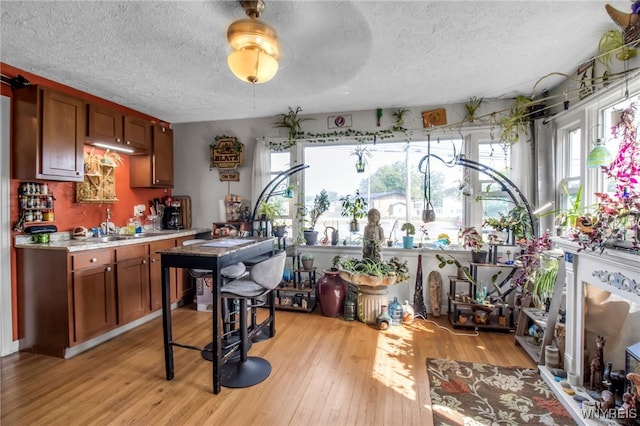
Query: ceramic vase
{"x": 383, "y": 320}
{"x": 331, "y": 292}
{"x": 551, "y": 357}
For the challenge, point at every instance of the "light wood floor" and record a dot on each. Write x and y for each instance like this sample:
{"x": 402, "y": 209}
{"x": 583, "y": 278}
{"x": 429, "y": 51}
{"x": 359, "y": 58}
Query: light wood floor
{"x": 326, "y": 371}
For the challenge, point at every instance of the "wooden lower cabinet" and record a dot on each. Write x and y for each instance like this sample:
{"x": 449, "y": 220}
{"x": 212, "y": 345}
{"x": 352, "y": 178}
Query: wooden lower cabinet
{"x": 65, "y": 299}
{"x": 132, "y": 282}
{"x": 93, "y": 302}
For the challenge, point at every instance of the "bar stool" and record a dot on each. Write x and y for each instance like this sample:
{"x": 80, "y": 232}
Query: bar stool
{"x": 262, "y": 279}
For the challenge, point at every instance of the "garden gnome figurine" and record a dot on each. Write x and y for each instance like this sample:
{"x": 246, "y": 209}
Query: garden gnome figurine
{"x": 373, "y": 237}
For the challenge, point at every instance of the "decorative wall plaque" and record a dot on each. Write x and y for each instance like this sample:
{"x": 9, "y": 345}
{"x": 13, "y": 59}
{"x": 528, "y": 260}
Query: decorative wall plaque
{"x": 229, "y": 176}
{"x": 436, "y": 117}
{"x": 226, "y": 153}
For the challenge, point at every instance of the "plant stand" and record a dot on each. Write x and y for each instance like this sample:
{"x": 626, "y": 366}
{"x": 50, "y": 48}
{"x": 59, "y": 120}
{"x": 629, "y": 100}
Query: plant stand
{"x": 370, "y": 301}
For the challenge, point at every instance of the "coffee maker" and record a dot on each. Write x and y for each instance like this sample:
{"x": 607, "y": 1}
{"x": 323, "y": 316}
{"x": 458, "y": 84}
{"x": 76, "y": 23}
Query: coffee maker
{"x": 171, "y": 218}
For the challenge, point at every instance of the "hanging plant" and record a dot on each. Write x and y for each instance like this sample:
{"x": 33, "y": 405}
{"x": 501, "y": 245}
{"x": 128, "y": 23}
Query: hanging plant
{"x": 472, "y": 108}
{"x": 611, "y": 42}
{"x": 516, "y": 124}
{"x": 625, "y": 168}
{"x": 362, "y": 153}
{"x": 292, "y": 122}
{"x": 398, "y": 117}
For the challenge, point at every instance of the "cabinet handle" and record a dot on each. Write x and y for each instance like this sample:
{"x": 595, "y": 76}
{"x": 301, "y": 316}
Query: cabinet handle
{"x": 108, "y": 268}
{"x": 128, "y": 142}
{"x": 144, "y": 262}
{"x": 153, "y": 260}
{"x": 77, "y": 173}
{"x": 157, "y": 180}
{"x": 118, "y": 140}
{"x": 94, "y": 260}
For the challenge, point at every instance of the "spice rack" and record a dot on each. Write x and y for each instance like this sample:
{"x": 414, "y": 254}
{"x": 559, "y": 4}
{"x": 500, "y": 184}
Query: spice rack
{"x": 36, "y": 203}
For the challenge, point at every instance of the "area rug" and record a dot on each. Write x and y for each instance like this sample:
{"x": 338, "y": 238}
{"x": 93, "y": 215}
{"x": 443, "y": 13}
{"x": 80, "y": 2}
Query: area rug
{"x": 464, "y": 393}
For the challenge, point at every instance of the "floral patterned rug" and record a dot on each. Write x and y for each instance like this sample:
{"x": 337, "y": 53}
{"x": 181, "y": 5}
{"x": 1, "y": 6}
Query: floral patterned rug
{"x": 464, "y": 393}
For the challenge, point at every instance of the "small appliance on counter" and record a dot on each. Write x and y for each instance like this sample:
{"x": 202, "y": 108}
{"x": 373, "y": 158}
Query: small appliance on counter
{"x": 171, "y": 218}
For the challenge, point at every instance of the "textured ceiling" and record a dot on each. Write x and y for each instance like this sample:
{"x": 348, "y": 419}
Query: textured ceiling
{"x": 168, "y": 59}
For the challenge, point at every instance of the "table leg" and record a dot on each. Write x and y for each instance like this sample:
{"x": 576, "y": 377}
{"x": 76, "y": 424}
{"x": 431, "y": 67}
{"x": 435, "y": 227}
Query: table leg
{"x": 166, "y": 323}
{"x": 215, "y": 327}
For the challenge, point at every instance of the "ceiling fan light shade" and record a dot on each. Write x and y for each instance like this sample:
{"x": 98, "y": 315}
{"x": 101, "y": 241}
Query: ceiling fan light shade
{"x": 253, "y": 32}
{"x": 256, "y": 51}
{"x": 252, "y": 65}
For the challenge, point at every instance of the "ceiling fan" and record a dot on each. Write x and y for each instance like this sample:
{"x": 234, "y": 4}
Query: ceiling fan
{"x": 255, "y": 44}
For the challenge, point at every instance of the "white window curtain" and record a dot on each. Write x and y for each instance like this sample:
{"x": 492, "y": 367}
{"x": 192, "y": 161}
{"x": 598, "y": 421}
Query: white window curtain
{"x": 261, "y": 168}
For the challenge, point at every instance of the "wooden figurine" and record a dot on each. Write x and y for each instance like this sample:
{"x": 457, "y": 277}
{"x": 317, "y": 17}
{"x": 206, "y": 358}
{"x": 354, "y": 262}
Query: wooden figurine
{"x": 435, "y": 290}
{"x": 597, "y": 365}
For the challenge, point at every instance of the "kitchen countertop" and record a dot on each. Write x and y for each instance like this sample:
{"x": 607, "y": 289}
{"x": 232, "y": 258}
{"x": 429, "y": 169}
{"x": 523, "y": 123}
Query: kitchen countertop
{"x": 63, "y": 240}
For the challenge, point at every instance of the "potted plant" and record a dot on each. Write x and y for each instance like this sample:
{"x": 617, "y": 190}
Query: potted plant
{"x": 268, "y": 211}
{"x": 372, "y": 272}
{"x": 463, "y": 271}
{"x": 407, "y": 239}
{"x": 320, "y": 206}
{"x": 307, "y": 261}
{"x": 292, "y": 122}
{"x": 567, "y": 218}
{"x": 515, "y": 222}
{"x": 473, "y": 240}
{"x": 362, "y": 153}
{"x": 355, "y": 208}
{"x": 279, "y": 230}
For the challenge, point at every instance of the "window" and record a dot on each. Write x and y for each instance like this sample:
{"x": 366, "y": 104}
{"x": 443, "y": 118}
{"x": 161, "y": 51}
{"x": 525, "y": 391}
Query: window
{"x": 393, "y": 184}
{"x": 570, "y": 168}
{"x": 493, "y": 199}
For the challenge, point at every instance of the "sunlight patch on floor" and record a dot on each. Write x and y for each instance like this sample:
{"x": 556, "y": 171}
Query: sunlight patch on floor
{"x": 393, "y": 361}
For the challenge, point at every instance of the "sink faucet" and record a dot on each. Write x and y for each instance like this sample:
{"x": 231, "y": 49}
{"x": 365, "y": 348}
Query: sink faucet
{"x": 106, "y": 225}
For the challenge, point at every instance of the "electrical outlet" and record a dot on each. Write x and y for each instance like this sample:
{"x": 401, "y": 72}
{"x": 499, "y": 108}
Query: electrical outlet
{"x": 138, "y": 210}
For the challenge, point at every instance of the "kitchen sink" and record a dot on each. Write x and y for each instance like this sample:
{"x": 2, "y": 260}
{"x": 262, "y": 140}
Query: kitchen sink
{"x": 106, "y": 239}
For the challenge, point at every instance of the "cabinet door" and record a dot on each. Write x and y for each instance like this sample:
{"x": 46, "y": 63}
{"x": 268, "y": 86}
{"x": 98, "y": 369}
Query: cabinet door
{"x": 132, "y": 283}
{"x": 155, "y": 274}
{"x": 162, "y": 163}
{"x": 48, "y": 135}
{"x": 137, "y": 134}
{"x": 105, "y": 124}
{"x": 92, "y": 303}
{"x": 156, "y": 169}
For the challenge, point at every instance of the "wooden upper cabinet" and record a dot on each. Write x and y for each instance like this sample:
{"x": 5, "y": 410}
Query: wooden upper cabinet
{"x": 48, "y": 135}
{"x": 114, "y": 127}
{"x": 105, "y": 124}
{"x": 137, "y": 134}
{"x": 156, "y": 169}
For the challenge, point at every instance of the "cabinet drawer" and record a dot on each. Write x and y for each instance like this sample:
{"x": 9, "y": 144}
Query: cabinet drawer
{"x": 91, "y": 258}
{"x": 131, "y": 252}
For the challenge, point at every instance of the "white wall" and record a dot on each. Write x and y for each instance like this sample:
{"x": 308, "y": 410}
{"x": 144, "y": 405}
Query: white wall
{"x": 7, "y": 345}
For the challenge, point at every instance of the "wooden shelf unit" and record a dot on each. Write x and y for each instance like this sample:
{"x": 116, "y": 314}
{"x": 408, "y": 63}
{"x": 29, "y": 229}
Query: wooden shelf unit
{"x": 297, "y": 288}
{"x": 529, "y": 315}
{"x": 500, "y": 316}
